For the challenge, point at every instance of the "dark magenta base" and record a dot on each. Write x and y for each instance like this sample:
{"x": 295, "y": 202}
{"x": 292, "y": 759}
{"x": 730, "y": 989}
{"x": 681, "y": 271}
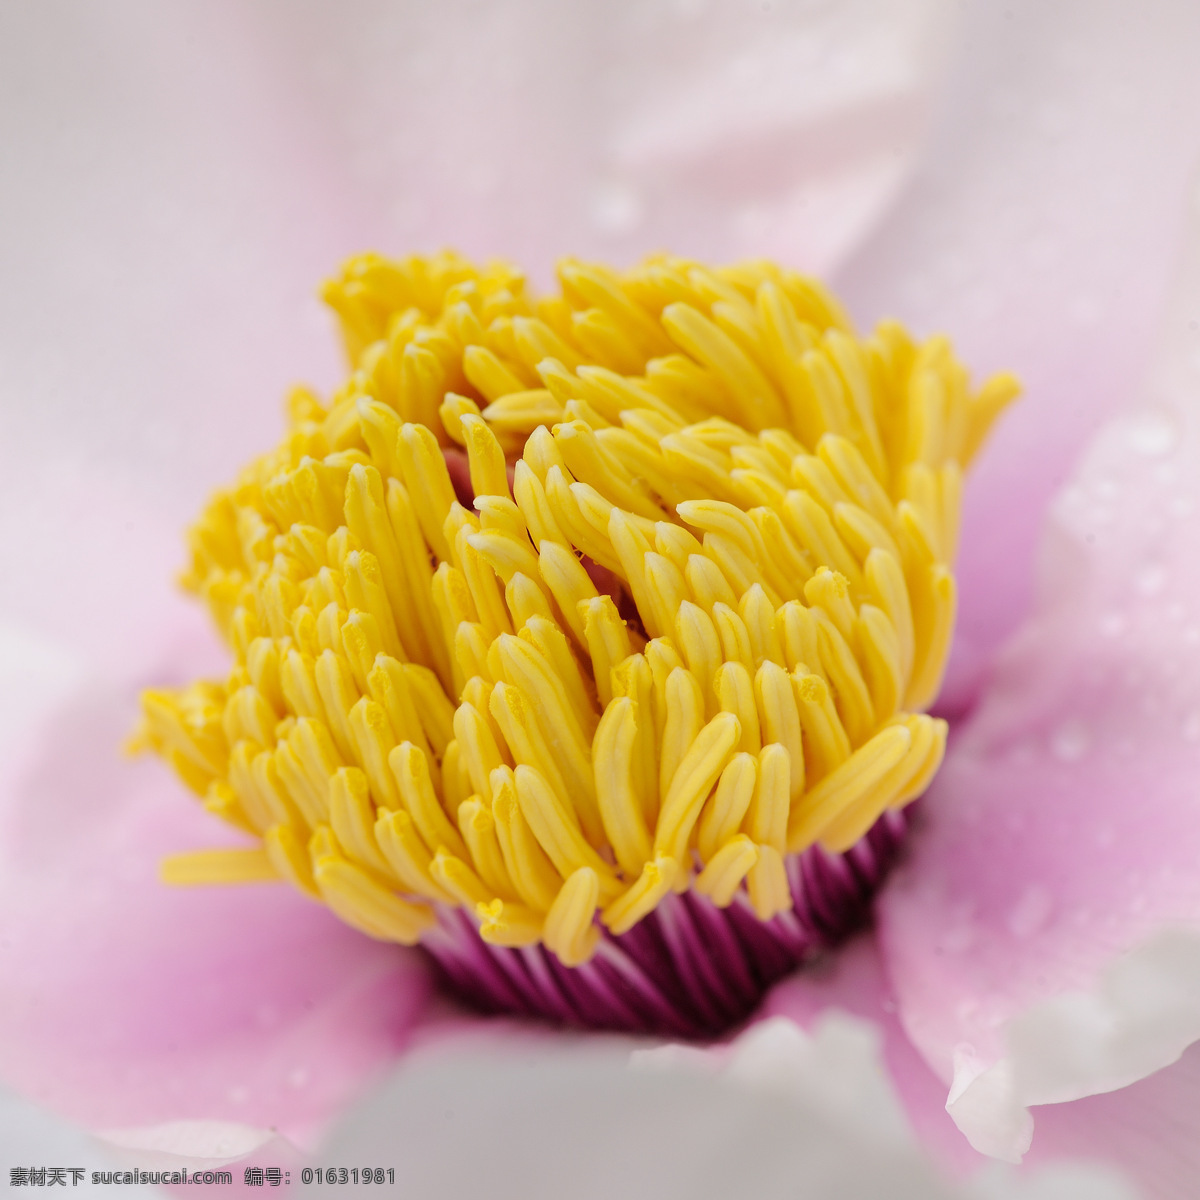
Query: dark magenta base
{"x": 689, "y": 969}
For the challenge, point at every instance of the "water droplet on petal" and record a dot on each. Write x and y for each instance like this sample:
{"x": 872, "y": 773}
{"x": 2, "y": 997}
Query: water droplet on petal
{"x": 1031, "y": 911}
{"x": 962, "y": 933}
{"x": 1070, "y": 741}
{"x": 1152, "y": 435}
{"x": 1151, "y": 579}
{"x": 1191, "y": 726}
{"x": 616, "y": 208}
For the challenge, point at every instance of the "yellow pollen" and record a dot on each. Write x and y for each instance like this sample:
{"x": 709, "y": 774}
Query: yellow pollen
{"x": 687, "y": 626}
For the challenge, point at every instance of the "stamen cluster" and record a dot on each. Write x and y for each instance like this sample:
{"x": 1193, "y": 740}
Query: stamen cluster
{"x": 682, "y": 622}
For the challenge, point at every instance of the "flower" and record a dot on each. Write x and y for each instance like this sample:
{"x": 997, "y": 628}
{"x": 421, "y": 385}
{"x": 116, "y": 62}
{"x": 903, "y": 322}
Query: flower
{"x": 1103, "y": 200}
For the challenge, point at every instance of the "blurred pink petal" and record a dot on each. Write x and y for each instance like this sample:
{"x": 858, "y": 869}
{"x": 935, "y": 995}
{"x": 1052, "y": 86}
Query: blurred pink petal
{"x": 1029, "y": 935}
{"x": 612, "y": 129}
{"x": 775, "y": 1111}
{"x": 1040, "y": 233}
{"x": 127, "y": 1002}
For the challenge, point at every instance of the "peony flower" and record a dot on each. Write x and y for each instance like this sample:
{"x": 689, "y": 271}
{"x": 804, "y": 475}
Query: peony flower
{"x": 280, "y": 1024}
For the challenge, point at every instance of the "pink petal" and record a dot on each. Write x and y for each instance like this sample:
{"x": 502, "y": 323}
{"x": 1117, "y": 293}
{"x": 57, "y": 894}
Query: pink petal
{"x": 1039, "y": 233}
{"x": 1150, "y": 1131}
{"x": 126, "y": 1003}
{"x": 853, "y": 981}
{"x": 1024, "y": 936}
{"x": 532, "y": 132}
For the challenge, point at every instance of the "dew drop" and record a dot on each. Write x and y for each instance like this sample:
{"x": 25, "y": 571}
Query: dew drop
{"x": 1191, "y": 726}
{"x": 1151, "y": 579}
{"x": 967, "y": 1009}
{"x": 298, "y": 1077}
{"x": 962, "y": 933}
{"x": 1070, "y": 741}
{"x": 1152, "y": 435}
{"x": 1031, "y": 911}
{"x": 616, "y": 208}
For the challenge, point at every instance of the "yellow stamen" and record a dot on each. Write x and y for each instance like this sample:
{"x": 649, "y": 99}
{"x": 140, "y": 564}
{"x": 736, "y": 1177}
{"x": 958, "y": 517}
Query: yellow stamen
{"x": 219, "y": 866}
{"x": 435, "y": 702}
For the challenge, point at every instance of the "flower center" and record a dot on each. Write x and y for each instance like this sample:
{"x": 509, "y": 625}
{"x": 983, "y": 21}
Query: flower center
{"x": 628, "y": 737}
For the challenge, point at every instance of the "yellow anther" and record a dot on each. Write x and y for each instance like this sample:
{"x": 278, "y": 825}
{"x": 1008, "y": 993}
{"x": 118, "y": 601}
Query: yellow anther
{"x": 506, "y": 554}
{"x": 621, "y": 809}
{"x": 362, "y": 902}
{"x": 288, "y": 855}
{"x": 696, "y": 636}
{"x": 532, "y": 872}
{"x": 841, "y": 668}
{"x": 489, "y": 374}
{"x": 767, "y": 884}
{"x": 754, "y": 401}
{"x": 825, "y": 740}
{"x": 734, "y": 688}
{"x": 489, "y": 476}
{"x": 519, "y": 413}
{"x": 935, "y": 600}
{"x": 478, "y": 828}
{"x": 411, "y": 770}
{"x": 569, "y": 930}
{"x": 847, "y": 784}
{"x": 453, "y": 874}
{"x": 556, "y": 827}
{"x": 708, "y": 585}
{"x": 907, "y": 778}
{"x": 690, "y": 784}
{"x": 406, "y": 853}
{"x": 880, "y": 655}
{"x": 633, "y": 679}
{"x": 725, "y": 870}
{"x": 251, "y": 865}
{"x": 832, "y": 592}
{"x": 781, "y": 723}
{"x": 759, "y": 619}
{"x": 728, "y": 805}
{"x": 428, "y": 482}
{"x": 373, "y": 740}
{"x": 353, "y": 817}
{"x": 733, "y": 635}
{"x": 643, "y": 897}
{"x": 503, "y": 923}
{"x": 607, "y": 640}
